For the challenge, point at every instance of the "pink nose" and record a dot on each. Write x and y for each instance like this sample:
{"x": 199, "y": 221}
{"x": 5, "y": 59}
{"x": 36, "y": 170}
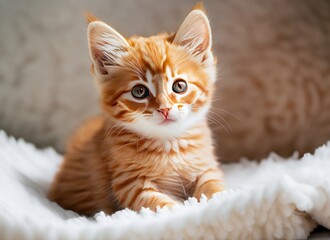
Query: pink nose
{"x": 164, "y": 111}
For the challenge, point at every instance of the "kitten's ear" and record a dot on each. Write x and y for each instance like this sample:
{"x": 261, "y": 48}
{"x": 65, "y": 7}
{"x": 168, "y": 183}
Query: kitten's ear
{"x": 106, "y": 46}
{"x": 195, "y": 34}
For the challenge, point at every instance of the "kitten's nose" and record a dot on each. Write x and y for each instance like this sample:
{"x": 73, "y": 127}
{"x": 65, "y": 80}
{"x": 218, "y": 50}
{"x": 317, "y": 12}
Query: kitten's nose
{"x": 164, "y": 111}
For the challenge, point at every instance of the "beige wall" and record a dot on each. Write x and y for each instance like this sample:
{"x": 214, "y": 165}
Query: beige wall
{"x": 268, "y": 52}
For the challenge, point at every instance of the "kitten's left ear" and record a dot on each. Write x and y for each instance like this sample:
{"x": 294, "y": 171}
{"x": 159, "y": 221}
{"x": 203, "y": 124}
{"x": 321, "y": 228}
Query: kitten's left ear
{"x": 195, "y": 34}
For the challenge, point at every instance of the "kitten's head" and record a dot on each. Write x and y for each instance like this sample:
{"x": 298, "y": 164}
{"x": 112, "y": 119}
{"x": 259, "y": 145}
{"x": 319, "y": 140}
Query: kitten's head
{"x": 157, "y": 86}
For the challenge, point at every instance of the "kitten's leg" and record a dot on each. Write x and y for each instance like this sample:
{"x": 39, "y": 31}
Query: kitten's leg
{"x": 142, "y": 196}
{"x": 152, "y": 198}
{"x": 208, "y": 183}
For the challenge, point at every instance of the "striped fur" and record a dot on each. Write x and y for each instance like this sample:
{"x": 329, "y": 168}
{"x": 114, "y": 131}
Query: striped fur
{"x": 148, "y": 152}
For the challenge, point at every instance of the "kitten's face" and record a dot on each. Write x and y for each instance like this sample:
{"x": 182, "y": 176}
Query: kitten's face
{"x": 157, "y": 86}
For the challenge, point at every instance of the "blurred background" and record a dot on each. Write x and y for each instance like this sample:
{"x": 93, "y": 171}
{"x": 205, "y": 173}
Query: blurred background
{"x": 273, "y": 56}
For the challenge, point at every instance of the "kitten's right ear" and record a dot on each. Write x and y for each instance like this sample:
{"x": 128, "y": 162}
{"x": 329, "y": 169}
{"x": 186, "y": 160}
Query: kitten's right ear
{"x": 106, "y": 46}
{"x": 194, "y": 34}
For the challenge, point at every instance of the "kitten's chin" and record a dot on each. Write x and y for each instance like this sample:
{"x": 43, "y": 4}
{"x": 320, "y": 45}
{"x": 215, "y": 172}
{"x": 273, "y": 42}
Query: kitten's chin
{"x": 164, "y": 129}
{"x": 166, "y": 122}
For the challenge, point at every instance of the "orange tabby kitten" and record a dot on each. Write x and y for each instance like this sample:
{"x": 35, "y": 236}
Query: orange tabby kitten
{"x": 152, "y": 146}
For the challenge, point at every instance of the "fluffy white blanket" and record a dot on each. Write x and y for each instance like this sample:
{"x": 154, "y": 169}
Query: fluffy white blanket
{"x": 276, "y": 199}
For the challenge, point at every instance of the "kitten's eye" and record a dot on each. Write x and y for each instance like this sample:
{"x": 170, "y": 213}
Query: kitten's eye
{"x": 140, "y": 91}
{"x": 179, "y": 86}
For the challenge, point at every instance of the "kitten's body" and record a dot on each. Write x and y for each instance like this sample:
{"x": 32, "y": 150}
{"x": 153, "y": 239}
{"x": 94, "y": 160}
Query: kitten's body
{"x": 152, "y": 146}
{"x": 97, "y": 164}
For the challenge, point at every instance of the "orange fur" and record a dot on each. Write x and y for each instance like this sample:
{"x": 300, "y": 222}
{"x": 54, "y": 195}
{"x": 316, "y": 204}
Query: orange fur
{"x": 151, "y": 151}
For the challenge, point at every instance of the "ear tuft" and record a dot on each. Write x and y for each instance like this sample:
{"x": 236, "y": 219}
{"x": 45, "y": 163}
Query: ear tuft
{"x": 200, "y": 6}
{"x": 89, "y": 17}
{"x": 195, "y": 33}
{"x": 106, "y": 46}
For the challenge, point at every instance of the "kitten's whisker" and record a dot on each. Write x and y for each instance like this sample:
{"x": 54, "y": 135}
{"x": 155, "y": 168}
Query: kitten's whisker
{"x": 230, "y": 113}
{"x": 109, "y": 133}
{"x": 123, "y": 105}
{"x": 120, "y": 131}
{"x": 215, "y": 100}
{"x": 228, "y": 125}
{"x": 215, "y": 121}
{"x": 219, "y": 125}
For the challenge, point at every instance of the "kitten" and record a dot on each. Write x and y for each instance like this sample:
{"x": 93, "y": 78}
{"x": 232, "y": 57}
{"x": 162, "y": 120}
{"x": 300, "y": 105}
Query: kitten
{"x": 152, "y": 146}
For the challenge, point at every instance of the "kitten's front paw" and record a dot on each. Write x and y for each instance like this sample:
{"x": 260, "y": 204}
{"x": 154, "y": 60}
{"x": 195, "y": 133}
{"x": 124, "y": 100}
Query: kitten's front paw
{"x": 168, "y": 205}
{"x": 208, "y": 190}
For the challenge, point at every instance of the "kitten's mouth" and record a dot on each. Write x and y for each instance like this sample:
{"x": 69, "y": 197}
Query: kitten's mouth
{"x": 166, "y": 121}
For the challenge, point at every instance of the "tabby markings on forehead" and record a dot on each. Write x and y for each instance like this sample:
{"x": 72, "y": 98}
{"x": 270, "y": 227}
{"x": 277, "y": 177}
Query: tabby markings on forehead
{"x": 154, "y": 55}
{"x": 150, "y": 82}
{"x": 148, "y": 59}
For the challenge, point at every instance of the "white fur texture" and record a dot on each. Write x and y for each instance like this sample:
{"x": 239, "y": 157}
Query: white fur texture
{"x": 274, "y": 199}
